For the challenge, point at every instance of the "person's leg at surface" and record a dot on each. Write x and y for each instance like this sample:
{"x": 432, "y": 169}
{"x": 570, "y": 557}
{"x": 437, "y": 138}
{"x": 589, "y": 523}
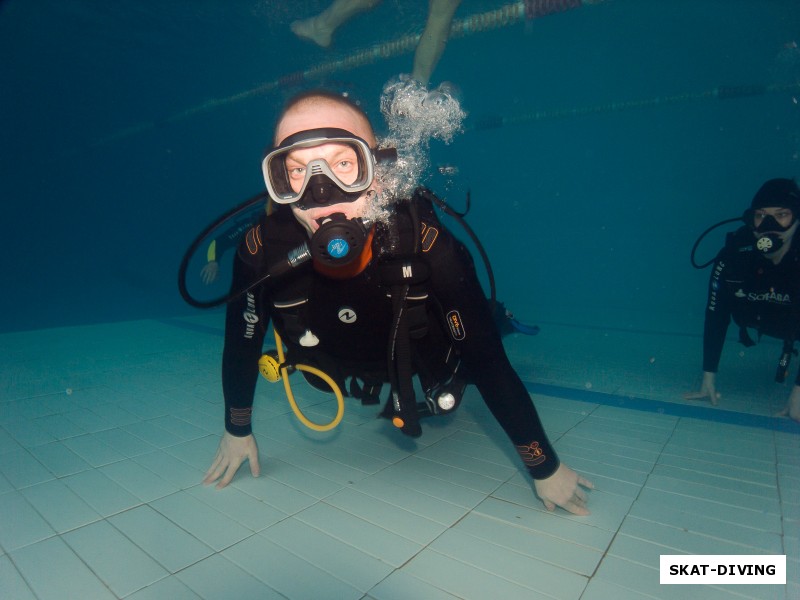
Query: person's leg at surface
{"x": 320, "y": 28}
{"x": 433, "y": 39}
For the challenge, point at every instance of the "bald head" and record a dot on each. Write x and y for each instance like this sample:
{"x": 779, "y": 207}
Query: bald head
{"x": 316, "y": 110}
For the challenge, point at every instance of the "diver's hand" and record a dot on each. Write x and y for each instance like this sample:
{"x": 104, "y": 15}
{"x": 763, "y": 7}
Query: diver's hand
{"x": 792, "y": 408}
{"x": 563, "y": 488}
{"x": 232, "y": 452}
{"x": 707, "y": 390}
{"x": 209, "y": 272}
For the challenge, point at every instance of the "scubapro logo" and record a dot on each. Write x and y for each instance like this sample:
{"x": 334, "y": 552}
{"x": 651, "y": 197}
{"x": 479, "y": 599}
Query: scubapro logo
{"x": 770, "y": 296}
{"x": 338, "y": 248}
{"x": 347, "y": 315}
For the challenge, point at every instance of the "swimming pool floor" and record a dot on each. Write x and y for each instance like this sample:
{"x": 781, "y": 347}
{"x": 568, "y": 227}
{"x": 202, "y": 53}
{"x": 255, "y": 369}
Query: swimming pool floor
{"x": 106, "y": 431}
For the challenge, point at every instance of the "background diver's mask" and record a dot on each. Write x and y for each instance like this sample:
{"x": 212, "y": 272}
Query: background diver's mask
{"x": 771, "y": 238}
{"x": 770, "y": 235}
{"x": 318, "y": 183}
{"x": 776, "y": 193}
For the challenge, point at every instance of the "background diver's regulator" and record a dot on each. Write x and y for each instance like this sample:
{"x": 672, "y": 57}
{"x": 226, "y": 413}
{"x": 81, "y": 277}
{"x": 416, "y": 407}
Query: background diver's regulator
{"x": 783, "y": 365}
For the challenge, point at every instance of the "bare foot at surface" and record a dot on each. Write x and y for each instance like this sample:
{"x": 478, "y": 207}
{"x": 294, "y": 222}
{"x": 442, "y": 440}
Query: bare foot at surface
{"x": 310, "y": 31}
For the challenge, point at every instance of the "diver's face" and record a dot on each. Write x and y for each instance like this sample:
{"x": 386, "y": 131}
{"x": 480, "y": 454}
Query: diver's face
{"x": 782, "y": 216}
{"x": 340, "y": 157}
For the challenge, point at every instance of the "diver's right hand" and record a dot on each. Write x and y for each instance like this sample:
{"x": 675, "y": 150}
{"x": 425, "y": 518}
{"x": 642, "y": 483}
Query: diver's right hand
{"x": 232, "y": 452}
{"x": 708, "y": 389}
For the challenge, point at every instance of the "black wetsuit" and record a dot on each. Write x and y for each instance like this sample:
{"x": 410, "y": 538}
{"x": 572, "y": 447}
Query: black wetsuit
{"x": 230, "y": 238}
{"x": 758, "y": 295}
{"x": 352, "y": 318}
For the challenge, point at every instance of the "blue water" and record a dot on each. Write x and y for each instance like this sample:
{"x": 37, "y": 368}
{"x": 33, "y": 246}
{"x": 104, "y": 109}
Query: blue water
{"x": 107, "y": 176}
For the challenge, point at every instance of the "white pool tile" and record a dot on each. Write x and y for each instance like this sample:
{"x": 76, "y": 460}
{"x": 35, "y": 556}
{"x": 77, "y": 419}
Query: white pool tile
{"x": 441, "y": 511}
{"x": 246, "y": 510}
{"x": 274, "y": 493}
{"x": 94, "y": 450}
{"x": 295, "y": 477}
{"x": 59, "y": 459}
{"x": 183, "y": 430}
{"x": 404, "y": 474}
{"x": 760, "y": 499}
{"x": 123, "y": 442}
{"x": 463, "y": 580}
{"x": 402, "y": 586}
{"x": 65, "y": 575}
{"x": 208, "y": 525}
{"x": 88, "y": 420}
{"x": 12, "y": 584}
{"x": 117, "y": 561}
{"x": 340, "y": 559}
{"x": 60, "y": 426}
{"x": 7, "y": 441}
{"x": 104, "y": 495}
{"x": 541, "y": 577}
{"x": 570, "y": 529}
{"x": 696, "y": 535}
{"x": 449, "y": 454}
{"x": 719, "y": 511}
{"x": 113, "y": 414}
{"x": 320, "y": 465}
{"x": 152, "y": 434}
{"x": 170, "y": 469}
{"x": 59, "y": 505}
{"x": 172, "y": 547}
{"x": 279, "y": 569}
{"x": 397, "y": 520}
{"x": 21, "y": 469}
{"x": 216, "y": 578}
{"x": 540, "y": 546}
{"x": 21, "y": 525}
{"x": 471, "y": 481}
{"x": 5, "y": 485}
{"x": 170, "y": 587}
{"x": 368, "y": 537}
{"x": 139, "y": 481}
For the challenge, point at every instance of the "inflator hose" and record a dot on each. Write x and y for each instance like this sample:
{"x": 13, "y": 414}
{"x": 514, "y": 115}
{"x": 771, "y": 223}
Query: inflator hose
{"x": 290, "y": 396}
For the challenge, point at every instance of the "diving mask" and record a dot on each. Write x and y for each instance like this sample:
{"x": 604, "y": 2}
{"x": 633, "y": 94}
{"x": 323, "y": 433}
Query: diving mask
{"x": 771, "y": 235}
{"x": 340, "y": 167}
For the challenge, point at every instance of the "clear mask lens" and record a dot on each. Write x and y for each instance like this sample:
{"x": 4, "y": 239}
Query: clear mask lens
{"x": 347, "y": 162}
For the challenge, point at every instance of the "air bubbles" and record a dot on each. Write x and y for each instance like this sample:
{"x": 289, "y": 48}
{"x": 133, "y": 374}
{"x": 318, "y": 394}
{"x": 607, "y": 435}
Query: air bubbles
{"x": 414, "y": 116}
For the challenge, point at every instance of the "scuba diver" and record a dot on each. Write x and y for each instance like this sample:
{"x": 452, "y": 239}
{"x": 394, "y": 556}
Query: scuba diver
{"x": 386, "y": 296}
{"x": 756, "y": 281}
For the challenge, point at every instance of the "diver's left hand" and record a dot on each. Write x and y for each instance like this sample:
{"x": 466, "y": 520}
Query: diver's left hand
{"x": 563, "y": 488}
{"x": 792, "y": 409}
{"x": 209, "y": 272}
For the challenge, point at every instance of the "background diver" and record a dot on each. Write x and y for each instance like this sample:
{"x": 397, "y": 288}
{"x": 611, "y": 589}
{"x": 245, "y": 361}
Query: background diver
{"x": 756, "y": 281}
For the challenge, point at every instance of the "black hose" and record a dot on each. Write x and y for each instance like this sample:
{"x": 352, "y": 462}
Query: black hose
{"x": 700, "y": 239}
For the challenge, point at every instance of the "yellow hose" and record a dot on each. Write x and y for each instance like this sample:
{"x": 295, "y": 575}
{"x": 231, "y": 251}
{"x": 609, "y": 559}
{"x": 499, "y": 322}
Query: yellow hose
{"x": 290, "y": 396}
